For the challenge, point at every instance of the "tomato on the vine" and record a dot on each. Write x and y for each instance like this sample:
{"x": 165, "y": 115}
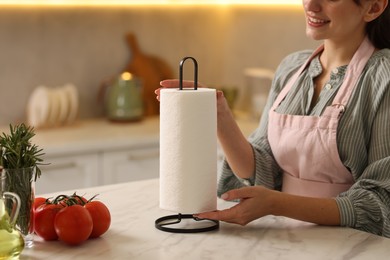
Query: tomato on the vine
{"x": 44, "y": 221}
{"x": 100, "y": 216}
{"x": 72, "y": 200}
{"x": 72, "y": 219}
{"x": 73, "y": 224}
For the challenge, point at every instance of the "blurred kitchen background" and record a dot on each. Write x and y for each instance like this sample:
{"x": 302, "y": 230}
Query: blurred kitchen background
{"x": 81, "y": 48}
{"x": 84, "y": 46}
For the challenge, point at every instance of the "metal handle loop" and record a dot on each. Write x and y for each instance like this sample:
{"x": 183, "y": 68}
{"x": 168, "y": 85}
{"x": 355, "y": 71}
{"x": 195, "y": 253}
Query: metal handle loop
{"x": 195, "y": 72}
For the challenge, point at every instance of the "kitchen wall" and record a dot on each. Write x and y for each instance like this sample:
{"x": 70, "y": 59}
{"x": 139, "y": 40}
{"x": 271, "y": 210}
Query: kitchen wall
{"x": 84, "y": 46}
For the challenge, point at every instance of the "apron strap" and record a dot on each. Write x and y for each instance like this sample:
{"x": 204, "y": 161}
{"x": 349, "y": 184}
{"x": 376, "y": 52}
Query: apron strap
{"x": 294, "y": 78}
{"x": 353, "y": 73}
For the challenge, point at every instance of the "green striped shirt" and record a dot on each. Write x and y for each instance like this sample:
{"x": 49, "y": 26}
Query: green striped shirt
{"x": 363, "y": 137}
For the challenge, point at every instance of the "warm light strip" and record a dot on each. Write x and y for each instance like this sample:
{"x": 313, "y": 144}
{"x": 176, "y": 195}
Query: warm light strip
{"x": 147, "y": 2}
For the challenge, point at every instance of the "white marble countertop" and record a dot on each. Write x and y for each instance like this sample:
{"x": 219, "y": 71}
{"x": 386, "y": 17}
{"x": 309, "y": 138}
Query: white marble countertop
{"x": 132, "y": 235}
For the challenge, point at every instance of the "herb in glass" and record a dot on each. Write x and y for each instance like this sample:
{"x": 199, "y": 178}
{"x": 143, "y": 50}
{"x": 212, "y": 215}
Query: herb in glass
{"x": 17, "y": 154}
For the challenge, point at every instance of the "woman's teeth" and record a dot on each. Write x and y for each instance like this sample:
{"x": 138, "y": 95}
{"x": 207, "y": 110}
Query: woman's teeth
{"x": 317, "y": 21}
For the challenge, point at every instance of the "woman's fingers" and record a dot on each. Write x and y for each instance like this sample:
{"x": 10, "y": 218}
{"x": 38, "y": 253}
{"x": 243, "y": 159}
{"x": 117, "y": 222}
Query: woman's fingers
{"x": 238, "y": 194}
{"x": 227, "y": 215}
{"x": 174, "y": 83}
{"x": 252, "y": 205}
{"x": 169, "y": 83}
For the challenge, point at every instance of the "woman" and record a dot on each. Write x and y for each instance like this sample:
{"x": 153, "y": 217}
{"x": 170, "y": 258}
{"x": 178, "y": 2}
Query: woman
{"x": 322, "y": 151}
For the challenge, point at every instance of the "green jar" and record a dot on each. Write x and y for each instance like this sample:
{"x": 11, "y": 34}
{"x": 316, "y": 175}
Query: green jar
{"x": 124, "y": 99}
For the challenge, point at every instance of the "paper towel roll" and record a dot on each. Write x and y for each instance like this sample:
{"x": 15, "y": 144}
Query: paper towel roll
{"x": 188, "y": 150}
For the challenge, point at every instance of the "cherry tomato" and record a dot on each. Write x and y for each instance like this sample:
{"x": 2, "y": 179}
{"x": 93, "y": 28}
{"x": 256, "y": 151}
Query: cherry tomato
{"x": 73, "y": 224}
{"x": 39, "y": 201}
{"x": 44, "y": 221}
{"x": 100, "y": 216}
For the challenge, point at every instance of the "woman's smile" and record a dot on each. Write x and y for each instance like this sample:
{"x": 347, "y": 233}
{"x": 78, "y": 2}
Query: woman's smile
{"x": 316, "y": 22}
{"x": 335, "y": 20}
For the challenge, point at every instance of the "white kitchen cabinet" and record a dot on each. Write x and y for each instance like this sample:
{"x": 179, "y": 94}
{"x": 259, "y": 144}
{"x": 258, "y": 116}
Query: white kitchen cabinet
{"x": 97, "y": 152}
{"x": 131, "y": 164}
{"x": 69, "y": 172}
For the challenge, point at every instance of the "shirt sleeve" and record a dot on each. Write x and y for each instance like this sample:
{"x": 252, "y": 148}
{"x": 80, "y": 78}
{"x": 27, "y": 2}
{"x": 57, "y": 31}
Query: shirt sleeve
{"x": 366, "y": 205}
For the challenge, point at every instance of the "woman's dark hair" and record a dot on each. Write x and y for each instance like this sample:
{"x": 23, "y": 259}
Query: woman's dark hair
{"x": 378, "y": 30}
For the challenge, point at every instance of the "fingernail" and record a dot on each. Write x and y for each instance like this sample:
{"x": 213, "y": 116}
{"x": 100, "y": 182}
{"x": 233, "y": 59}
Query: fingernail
{"x": 224, "y": 196}
{"x": 196, "y": 217}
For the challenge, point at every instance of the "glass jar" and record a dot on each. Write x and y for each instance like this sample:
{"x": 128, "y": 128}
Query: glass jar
{"x": 124, "y": 99}
{"x": 11, "y": 241}
{"x": 22, "y": 182}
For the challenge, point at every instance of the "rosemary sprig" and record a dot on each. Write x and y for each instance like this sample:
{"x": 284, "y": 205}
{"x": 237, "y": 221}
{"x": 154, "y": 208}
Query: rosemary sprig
{"x": 17, "y": 155}
{"x": 17, "y": 151}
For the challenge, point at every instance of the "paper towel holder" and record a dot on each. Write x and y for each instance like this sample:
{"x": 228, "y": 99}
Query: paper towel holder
{"x": 163, "y": 222}
{"x": 195, "y": 72}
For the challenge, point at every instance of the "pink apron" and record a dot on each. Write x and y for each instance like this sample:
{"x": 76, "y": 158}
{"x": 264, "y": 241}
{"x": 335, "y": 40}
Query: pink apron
{"x": 305, "y": 147}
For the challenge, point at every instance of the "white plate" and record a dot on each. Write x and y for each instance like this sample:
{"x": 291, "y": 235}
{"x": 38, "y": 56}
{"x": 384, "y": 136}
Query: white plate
{"x": 73, "y": 102}
{"x": 38, "y": 107}
{"x": 63, "y": 105}
{"x": 54, "y": 110}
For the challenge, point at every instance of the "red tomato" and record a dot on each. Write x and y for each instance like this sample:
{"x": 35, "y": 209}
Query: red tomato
{"x": 44, "y": 221}
{"x": 100, "y": 216}
{"x": 39, "y": 201}
{"x": 73, "y": 224}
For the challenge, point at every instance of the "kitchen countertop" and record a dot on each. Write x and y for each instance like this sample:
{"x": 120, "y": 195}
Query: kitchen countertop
{"x": 132, "y": 235}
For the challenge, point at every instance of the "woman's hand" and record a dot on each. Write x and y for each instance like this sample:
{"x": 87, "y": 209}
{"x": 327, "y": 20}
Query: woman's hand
{"x": 255, "y": 202}
{"x": 258, "y": 201}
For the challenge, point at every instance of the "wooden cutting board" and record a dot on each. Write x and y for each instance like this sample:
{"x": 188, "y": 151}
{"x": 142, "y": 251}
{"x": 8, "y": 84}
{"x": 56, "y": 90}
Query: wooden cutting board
{"x": 151, "y": 70}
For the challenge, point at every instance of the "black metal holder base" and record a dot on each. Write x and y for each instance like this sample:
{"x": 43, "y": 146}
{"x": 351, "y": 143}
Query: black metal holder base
{"x": 163, "y": 222}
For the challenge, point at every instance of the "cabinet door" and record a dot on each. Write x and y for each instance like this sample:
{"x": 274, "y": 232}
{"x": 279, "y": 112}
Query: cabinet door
{"x": 131, "y": 165}
{"x": 68, "y": 173}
